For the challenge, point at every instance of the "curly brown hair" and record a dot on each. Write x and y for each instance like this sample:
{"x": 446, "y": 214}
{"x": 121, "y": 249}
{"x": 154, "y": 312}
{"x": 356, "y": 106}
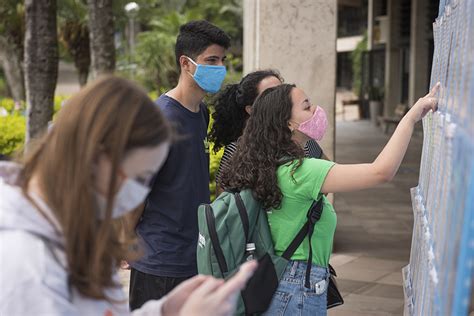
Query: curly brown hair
{"x": 266, "y": 141}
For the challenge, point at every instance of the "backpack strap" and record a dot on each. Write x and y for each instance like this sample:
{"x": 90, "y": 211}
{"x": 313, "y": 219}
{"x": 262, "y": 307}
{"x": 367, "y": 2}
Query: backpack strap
{"x": 243, "y": 215}
{"x": 314, "y": 214}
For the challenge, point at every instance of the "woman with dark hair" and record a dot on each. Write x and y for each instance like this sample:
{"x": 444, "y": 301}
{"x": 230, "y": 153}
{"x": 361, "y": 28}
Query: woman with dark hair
{"x": 233, "y": 106}
{"x": 287, "y": 190}
{"x": 61, "y": 206}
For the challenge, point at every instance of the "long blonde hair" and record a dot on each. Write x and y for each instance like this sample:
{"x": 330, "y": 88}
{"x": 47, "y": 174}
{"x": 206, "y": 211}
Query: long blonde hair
{"x": 112, "y": 116}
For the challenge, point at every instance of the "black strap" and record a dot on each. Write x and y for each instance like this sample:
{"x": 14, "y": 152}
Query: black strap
{"x": 296, "y": 242}
{"x": 309, "y": 263}
{"x": 243, "y": 215}
{"x": 211, "y": 223}
{"x": 314, "y": 214}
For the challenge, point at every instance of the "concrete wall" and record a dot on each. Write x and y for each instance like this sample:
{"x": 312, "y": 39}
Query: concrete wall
{"x": 419, "y": 54}
{"x": 393, "y": 86}
{"x": 298, "y": 38}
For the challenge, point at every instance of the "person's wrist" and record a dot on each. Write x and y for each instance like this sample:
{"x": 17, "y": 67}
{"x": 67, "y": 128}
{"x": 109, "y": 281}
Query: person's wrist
{"x": 410, "y": 118}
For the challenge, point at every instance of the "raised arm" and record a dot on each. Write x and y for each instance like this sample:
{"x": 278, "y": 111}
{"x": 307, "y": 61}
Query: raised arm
{"x": 343, "y": 178}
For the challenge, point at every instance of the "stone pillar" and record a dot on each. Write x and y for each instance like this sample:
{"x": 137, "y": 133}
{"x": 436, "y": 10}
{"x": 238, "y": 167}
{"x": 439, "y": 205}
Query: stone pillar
{"x": 393, "y": 88}
{"x": 298, "y": 38}
{"x": 370, "y": 25}
{"x": 419, "y": 54}
{"x": 251, "y": 16}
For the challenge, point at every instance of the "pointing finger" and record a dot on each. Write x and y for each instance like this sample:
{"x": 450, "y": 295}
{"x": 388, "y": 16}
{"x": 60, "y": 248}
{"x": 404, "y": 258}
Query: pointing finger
{"x": 434, "y": 90}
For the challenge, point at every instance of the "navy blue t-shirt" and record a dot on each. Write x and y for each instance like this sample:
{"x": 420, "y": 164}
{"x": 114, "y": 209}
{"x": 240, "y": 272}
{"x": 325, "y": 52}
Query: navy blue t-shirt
{"x": 169, "y": 225}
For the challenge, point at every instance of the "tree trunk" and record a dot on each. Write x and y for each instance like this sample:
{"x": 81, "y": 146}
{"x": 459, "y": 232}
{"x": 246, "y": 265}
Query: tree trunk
{"x": 11, "y": 64}
{"x": 101, "y": 33}
{"x": 82, "y": 74}
{"x": 82, "y": 55}
{"x": 74, "y": 34}
{"x": 41, "y": 64}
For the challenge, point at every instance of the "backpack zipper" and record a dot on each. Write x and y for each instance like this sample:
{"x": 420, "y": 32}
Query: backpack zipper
{"x": 211, "y": 224}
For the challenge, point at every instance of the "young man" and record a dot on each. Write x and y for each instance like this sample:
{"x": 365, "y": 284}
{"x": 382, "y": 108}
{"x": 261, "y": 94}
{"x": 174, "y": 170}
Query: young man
{"x": 168, "y": 225}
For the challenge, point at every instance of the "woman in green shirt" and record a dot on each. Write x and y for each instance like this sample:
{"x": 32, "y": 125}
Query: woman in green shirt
{"x": 287, "y": 190}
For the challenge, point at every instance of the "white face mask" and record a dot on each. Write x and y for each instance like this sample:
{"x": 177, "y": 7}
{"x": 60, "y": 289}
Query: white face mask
{"x": 130, "y": 195}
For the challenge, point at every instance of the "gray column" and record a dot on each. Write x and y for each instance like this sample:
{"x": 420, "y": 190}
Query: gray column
{"x": 419, "y": 54}
{"x": 370, "y": 24}
{"x": 393, "y": 56}
{"x": 298, "y": 38}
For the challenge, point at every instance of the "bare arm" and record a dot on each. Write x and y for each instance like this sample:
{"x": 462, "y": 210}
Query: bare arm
{"x": 343, "y": 178}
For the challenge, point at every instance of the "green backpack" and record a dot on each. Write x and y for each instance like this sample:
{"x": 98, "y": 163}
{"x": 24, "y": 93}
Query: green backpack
{"x": 234, "y": 228}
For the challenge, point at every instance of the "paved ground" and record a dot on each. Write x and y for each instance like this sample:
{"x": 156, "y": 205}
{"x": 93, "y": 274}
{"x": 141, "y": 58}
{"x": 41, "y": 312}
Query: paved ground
{"x": 68, "y": 82}
{"x": 373, "y": 234}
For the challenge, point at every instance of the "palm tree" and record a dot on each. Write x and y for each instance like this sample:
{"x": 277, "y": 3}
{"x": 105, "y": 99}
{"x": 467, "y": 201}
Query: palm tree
{"x": 101, "y": 32}
{"x": 74, "y": 35}
{"x": 12, "y": 26}
{"x": 41, "y": 64}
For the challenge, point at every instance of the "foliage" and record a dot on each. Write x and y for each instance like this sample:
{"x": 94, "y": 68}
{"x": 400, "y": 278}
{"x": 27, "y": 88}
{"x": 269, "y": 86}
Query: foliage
{"x": 375, "y": 93}
{"x": 160, "y": 21}
{"x": 214, "y": 162}
{"x": 155, "y": 51}
{"x": 215, "y": 159}
{"x": 12, "y": 30}
{"x": 3, "y": 85}
{"x": 72, "y": 10}
{"x": 227, "y": 14}
{"x": 73, "y": 33}
{"x": 12, "y": 133}
{"x": 12, "y": 22}
{"x": 13, "y": 126}
{"x": 356, "y": 57}
{"x": 9, "y": 105}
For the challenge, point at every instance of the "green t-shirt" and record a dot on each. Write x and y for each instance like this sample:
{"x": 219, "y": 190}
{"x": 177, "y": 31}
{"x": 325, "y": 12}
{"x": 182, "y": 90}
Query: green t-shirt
{"x": 299, "y": 193}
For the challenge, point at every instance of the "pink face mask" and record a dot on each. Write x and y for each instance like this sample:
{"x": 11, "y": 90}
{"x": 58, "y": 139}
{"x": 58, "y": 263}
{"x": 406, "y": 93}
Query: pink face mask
{"x": 316, "y": 126}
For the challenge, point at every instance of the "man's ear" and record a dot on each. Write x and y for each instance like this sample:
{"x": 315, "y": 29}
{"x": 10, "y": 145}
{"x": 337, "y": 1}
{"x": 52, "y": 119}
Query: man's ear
{"x": 185, "y": 64}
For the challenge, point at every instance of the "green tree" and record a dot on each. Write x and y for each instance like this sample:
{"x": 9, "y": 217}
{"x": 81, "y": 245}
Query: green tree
{"x": 12, "y": 28}
{"x": 356, "y": 57}
{"x": 161, "y": 20}
{"x": 155, "y": 51}
{"x": 227, "y": 14}
{"x": 74, "y": 35}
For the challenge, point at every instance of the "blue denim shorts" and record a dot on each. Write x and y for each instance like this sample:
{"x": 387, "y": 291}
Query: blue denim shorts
{"x": 291, "y": 296}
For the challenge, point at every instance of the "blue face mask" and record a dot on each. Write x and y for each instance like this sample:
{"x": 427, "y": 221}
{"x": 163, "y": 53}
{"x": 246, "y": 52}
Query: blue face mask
{"x": 209, "y": 77}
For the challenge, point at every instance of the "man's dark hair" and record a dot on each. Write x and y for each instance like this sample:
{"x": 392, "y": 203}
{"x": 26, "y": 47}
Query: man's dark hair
{"x": 195, "y": 36}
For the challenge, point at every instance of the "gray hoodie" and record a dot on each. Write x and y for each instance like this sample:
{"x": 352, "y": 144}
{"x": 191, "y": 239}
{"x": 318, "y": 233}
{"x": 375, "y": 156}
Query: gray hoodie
{"x": 34, "y": 271}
